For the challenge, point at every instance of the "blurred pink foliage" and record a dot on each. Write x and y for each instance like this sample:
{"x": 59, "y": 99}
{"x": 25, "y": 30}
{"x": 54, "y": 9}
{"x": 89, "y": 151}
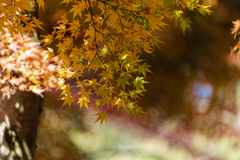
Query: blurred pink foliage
{"x": 24, "y": 65}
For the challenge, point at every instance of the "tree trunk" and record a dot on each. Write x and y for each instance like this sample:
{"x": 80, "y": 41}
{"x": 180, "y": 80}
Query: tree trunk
{"x": 19, "y": 117}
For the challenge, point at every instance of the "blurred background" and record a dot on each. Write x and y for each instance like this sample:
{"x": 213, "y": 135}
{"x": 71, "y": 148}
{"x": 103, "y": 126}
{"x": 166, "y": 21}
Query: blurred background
{"x": 192, "y": 100}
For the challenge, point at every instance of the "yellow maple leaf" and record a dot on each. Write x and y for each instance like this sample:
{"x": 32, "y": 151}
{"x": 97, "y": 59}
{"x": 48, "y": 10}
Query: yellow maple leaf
{"x": 41, "y": 4}
{"x": 83, "y": 101}
{"x": 119, "y": 102}
{"x": 78, "y": 8}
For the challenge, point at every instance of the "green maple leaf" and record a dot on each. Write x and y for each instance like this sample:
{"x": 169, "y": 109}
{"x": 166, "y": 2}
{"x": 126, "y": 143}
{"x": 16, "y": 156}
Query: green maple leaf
{"x": 143, "y": 69}
{"x": 130, "y": 106}
{"x": 123, "y": 81}
{"x": 177, "y": 14}
{"x": 136, "y": 111}
{"x": 156, "y": 41}
{"x": 185, "y": 23}
{"x": 97, "y": 104}
{"x": 192, "y": 4}
{"x": 138, "y": 83}
{"x": 204, "y": 10}
{"x": 134, "y": 93}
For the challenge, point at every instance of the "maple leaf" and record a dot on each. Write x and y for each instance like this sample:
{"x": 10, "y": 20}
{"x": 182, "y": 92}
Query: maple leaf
{"x": 134, "y": 93}
{"x": 61, "y": 84}
{"x": 48, "y": 39}
{"x": 34, "y": 79}
{"x": 77, "y": 9}
{"x": 102, "y": 117}
{"x": 138, "y": 83}
{"x": 136, "y": 111}
{"x": 143, "y": 69}
{"x": 37, "y": 22}
{"x": 37, "y": 91}
{"x": 41, "y": 4}
{"x": 156, "y": 41}
{"x": 177, "y": 14}
{"x": 83, "y": 101}
{"x": 97, "y": 104}
{"x": 130, "y": 106}
{"x": 20, "y": 29}
{"x": 236, "y": 28}
{"x": 67, "y": 100}
{"x": 204, "y": 10}
{"x": 185, "y": 23}
{"x": 123, "y": 81}
{"x": 119, "y": 102}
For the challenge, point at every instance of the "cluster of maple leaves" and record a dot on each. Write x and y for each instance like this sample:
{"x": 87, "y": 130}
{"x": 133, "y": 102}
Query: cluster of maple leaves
{"x": 114, "y": 34}
{"x": 24, "y": 65}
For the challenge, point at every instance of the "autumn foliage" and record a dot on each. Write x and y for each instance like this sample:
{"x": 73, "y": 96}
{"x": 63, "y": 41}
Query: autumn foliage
{"x": 236, "y": 33}
{"x": 24, "y": 65}
{"x": 103, "y": 37}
